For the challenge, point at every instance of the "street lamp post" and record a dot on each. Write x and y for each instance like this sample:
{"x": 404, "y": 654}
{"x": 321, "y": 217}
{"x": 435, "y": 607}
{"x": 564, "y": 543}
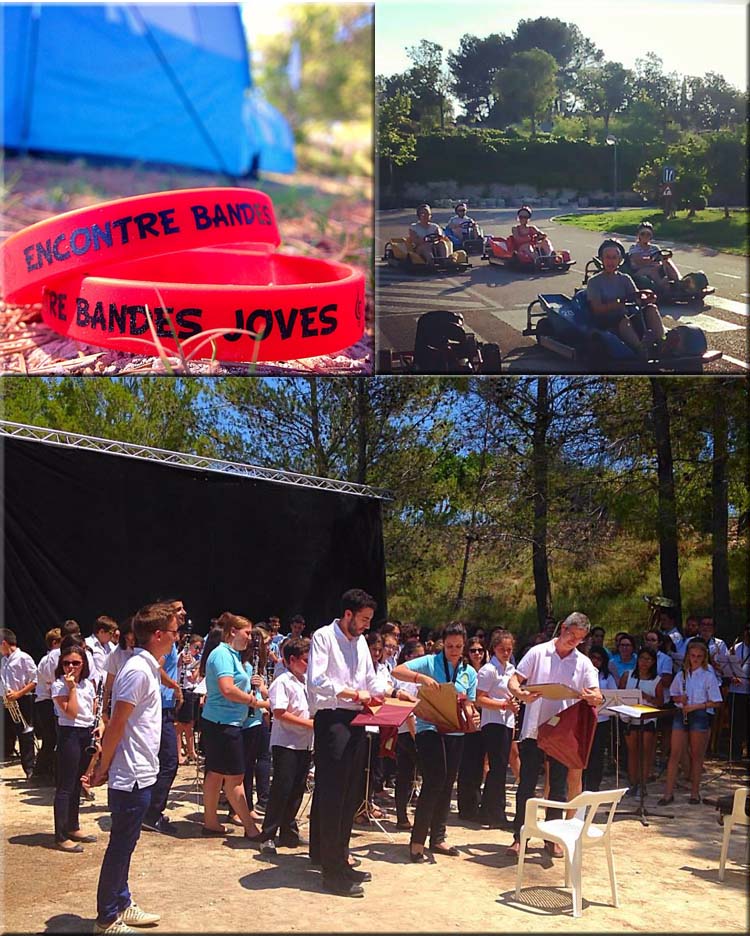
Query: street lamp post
{"x": 613, "y": 141}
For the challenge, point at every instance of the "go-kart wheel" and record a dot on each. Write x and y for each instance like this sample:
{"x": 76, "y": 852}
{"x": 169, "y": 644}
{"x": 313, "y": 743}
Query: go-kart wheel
{"x": 385, "y": 361}
{"x": 492, "y": 359}
{"x": 543, "y": 329}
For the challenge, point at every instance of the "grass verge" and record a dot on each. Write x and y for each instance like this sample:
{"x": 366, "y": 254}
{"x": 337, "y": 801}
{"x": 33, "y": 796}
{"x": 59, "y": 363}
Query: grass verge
{"x": 708, "y": 228}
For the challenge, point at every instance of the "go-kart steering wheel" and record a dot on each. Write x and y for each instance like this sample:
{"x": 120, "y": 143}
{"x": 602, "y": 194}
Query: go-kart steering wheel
{"x": 432, "y": 238}
{"x": 663, "y": 253}
{"x": 646, "y": 297}
{"x": 537, "y": 236}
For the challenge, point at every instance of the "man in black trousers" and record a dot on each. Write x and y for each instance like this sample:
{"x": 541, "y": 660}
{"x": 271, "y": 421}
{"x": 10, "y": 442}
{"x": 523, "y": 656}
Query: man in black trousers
{"x": 340, "y": 677}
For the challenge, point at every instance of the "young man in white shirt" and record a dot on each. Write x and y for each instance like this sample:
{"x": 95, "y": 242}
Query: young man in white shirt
{"x": 18, "y": 676}
{"x": 555, "y": 661}
{"x": 291, "y": 740}
{"x": 100, "y": 643}
{"x": 340, "y": 677}
{"x": 130, "y": 763}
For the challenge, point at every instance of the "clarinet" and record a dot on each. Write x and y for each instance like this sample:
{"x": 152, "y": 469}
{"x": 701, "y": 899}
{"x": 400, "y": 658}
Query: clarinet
{"x": 91, "y": 747}
{"x": 255, "y": 664}
{"x": 185, "y": 652}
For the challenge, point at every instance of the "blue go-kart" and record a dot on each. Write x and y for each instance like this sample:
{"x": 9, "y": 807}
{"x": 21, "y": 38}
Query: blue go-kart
{"x": 566, "y": 326}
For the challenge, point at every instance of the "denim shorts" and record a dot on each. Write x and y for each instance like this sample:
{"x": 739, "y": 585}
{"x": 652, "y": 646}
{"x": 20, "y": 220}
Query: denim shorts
{"x": 699, "y": 720}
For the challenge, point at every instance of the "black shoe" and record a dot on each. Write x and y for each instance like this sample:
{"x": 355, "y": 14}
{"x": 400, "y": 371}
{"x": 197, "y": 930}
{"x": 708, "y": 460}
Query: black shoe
{"x": 342, "y": 886}
{"x": 359, "y": 877}
{"x": 417, "y": 857}
{"x": 162, "y": 824}
{"x": 292, "y": 841}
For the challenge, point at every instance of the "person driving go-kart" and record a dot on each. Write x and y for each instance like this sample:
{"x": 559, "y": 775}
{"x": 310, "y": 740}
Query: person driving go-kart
{"x": 610, "y": 292}
{"x": 427, "y": 238}
{"x": 646, "y": 258}
{"x": 529, "y": 238}
{"x": 461, "y": 226}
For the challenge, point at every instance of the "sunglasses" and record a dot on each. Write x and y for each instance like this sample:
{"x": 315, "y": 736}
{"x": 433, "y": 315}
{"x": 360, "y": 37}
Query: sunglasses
{"x": 72, "y": 663}
{"x": 476, "y": 650}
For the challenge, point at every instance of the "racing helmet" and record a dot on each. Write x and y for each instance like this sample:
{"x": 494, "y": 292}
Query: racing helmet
{"x": 525, "y": 208}
{"x": 423, "y": 207}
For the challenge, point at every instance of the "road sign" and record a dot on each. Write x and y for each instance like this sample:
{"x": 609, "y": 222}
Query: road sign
{"x": 667, "y": 193}
{"x": 667, "y": 174}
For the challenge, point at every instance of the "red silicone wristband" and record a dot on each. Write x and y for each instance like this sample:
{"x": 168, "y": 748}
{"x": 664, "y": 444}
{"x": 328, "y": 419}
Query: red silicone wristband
{"x": 87, "y": 239}
{"x": 296, "y": 307}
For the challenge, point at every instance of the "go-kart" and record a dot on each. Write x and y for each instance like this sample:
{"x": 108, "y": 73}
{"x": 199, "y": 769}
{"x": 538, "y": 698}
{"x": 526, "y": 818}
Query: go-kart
{"x": 503, "y": 251}
{"x": 442, "y": 346}
{"x": 471, "y": 238}
{"x": 566, "y": 326}
{"x": 398, "y": 252}
{"x": 693, "y": 287}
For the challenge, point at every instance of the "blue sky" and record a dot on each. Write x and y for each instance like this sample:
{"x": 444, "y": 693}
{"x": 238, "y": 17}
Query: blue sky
{"x": 692, "y": 37}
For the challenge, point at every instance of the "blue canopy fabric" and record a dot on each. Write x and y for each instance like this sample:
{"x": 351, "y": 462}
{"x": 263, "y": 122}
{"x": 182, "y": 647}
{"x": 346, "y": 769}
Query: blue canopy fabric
{"x": 165, "y": 83}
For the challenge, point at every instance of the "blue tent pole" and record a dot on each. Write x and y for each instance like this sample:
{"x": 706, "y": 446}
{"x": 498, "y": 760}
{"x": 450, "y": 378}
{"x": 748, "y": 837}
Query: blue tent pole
{"x": 182, "y": 94}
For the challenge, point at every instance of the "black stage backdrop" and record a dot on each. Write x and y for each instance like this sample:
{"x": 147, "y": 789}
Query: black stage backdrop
{"x": 88, "y": 533}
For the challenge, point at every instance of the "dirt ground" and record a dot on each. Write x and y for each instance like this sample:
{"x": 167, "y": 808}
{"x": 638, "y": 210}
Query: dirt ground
{"x": 667, "y": 875}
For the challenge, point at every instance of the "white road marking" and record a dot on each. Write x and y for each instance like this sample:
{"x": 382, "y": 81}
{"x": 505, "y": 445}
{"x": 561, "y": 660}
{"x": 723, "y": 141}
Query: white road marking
{"x": 729, "y": 305}
{"x": 730, "y": 275}
{"x": 732, "y": 360}
{"x": 707, "y": 322}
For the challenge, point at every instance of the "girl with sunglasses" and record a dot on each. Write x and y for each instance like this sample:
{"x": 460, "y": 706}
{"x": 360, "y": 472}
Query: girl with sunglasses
{"x": 74, "y": 694}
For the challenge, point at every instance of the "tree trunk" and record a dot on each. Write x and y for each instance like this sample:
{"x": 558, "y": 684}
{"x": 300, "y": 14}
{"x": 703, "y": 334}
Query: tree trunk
{"x": 540, "y": 469}
{"x": 666, "y": 521}
{"x": 321, "y": 462}
{"x": 720, "y": 520}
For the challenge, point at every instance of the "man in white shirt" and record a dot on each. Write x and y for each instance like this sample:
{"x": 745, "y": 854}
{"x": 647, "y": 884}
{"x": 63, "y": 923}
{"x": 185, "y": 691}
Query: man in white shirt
{"x": 100, "y": 643}
{"x": 45, "y": 723}
{"x": 130, "y": 763}
{"x": 18, "y": 676}
{"x": 555, "y": 661}
{"x": 340, "y": 677}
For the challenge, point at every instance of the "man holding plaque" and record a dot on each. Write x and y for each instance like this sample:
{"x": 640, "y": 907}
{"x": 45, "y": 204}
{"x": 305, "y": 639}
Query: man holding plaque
{"x": 340, "y": 678}
{"x": 551, "y": 670}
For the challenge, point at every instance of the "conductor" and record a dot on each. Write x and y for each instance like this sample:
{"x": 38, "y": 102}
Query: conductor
{"x": 340, "y": 677}
{"x": 555, "y": 661}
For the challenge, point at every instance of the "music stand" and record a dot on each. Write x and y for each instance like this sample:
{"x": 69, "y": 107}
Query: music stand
{"x": 365, "y": 806}
{"x": 636, "y": 713}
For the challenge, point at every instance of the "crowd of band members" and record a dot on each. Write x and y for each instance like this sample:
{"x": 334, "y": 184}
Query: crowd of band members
{"x": 230, "y": 682}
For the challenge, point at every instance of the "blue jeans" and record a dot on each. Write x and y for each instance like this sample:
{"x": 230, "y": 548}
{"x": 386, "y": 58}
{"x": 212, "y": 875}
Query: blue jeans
{"x": 128, "y": 808}
{"x": 72, "y": 760}
{"x": 168, "y": 763}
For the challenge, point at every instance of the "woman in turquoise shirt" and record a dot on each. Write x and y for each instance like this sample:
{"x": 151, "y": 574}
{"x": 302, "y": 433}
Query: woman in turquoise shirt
{"x": 228, "y": 695}
{"x": 439, "y": 754}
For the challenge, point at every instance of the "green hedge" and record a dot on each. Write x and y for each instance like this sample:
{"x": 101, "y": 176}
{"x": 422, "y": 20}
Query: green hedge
{"x": 481, "y": 157}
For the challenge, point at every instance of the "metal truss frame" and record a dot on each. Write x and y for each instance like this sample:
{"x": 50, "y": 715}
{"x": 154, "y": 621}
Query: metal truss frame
{"x": 65, "y": 439}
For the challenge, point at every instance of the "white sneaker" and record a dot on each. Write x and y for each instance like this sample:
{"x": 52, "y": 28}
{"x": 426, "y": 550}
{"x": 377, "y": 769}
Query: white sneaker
{"x": 115, "y": 928}
{"x": 134, "y": 916}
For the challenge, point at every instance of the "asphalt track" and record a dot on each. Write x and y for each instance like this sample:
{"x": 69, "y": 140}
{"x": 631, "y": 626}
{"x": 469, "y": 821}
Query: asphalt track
{"x": 493, "y": 300}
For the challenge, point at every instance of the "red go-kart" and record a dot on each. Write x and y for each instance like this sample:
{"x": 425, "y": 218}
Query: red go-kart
{"x": 504, "y": 251}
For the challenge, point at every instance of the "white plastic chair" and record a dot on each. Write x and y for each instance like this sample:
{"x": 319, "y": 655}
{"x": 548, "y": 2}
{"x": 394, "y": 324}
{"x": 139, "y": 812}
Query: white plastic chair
{"x": 574, "y": 835}
{"x": 736, "y": 818}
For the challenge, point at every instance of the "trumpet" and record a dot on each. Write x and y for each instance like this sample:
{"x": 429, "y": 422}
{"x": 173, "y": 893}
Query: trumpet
{"x": 14, "y": 710}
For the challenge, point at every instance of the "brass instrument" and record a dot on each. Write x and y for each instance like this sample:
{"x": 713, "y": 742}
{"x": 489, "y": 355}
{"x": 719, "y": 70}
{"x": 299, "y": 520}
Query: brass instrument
{"x": 14, "y": 710}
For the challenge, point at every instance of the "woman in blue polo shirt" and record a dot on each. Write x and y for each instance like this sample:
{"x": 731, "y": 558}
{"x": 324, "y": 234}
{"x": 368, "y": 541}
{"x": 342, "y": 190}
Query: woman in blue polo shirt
{"x": 228, "y": 696}
{"x": 439, "y": 754}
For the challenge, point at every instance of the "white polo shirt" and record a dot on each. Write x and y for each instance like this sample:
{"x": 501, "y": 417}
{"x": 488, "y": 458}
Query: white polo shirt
{"x": 289, "y": 693}
{"x": 542, "y": 664}
{"x": 100, "y": 652}
{"x": 45, "y": 672}
{"x": 136, "y": 758}
{"x": 86, "y": 696}
{"x": 17, "y": 670}
{"x": 116, "y": 660}
{"x": 337, "y": 663}
{"x": 701, "y": 685}
{"x": 493, "y": 679}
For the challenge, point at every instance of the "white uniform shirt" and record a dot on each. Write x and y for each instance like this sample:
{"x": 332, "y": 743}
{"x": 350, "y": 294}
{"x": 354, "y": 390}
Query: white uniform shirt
{"x": 45, "y": 672}
{"x": 383, "y": 679}
{"x": 54, "y": 658}
{"x": 289, "y": 693}
{"x": 493, "y": 679}
{"x": 541, "y": 664}
{"x": 136, "y": 758}
{"x": 100, "y": 652}
{"x": 117, "y": 659}
{"x": 85, "y": 694}
{"x": 739, "y": 665}
{"x": 701, "y": 686}
{"x": 17, "y": 670}
{"x": 337, "y": 663}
